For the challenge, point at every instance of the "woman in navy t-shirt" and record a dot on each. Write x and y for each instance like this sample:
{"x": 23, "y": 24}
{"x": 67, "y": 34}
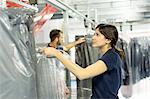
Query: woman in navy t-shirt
{"x": 106, "y": 72}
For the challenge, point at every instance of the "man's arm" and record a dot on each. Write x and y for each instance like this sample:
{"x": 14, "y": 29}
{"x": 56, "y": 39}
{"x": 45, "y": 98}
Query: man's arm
{"x": 72, "y": 44}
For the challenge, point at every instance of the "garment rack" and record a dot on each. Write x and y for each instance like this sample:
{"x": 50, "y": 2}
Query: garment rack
{"x": 25, "y": 5}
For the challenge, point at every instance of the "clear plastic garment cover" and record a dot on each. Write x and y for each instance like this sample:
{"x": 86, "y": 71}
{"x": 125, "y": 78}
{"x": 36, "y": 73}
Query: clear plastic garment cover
{"x": 25, "y": 74}
{"x": 136, "y": 68}
{"x": 17, "y": 59}
{"x": 50, "y": 78}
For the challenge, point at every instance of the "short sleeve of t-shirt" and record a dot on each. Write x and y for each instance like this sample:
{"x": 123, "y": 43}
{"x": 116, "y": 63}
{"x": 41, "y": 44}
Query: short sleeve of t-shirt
{"x": 60, "y": 47}
{"x": 110, "y": 59}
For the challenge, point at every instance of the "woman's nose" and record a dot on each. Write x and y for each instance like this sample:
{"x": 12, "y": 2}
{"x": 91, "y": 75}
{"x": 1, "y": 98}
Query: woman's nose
{"x": 93, "y": 37}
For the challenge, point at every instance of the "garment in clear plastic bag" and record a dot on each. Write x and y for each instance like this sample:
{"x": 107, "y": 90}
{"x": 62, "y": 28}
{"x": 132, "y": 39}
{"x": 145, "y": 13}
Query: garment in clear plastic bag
{"x": 50, "y": 78}
{"x": 16, "y": 72}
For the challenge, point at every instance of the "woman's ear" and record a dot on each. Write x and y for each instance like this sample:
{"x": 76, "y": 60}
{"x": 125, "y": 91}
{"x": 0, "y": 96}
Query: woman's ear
{"x": 108, "y": 41}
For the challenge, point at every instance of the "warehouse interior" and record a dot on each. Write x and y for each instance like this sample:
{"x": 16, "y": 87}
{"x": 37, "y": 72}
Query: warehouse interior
{"x": 25, "y": 25}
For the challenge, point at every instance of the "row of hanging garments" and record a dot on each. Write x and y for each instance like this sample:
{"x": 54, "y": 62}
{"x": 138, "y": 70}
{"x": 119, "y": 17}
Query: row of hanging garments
{"x": 24, "y": 73}
{"x": 17, "y": 68}
{"x": 140, "y": 58}
{"x": 136, "y": 64}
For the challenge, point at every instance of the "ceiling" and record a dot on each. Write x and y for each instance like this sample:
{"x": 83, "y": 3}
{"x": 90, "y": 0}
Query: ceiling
{"x": 114, "y": 10}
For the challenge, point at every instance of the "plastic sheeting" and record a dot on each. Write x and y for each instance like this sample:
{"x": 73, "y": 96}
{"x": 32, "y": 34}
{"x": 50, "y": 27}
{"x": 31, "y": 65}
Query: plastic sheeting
{"x": 136, "y": 64}
{"x": 16, "y": 69}
{"x": 46, "y": 13}
{"x": 50, "y": 78}
{"x": 24, "y": 73}
{"x": 140, "y": 63}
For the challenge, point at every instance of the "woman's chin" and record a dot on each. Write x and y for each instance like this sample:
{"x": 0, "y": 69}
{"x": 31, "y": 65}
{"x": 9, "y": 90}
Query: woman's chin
{"x": 93, "y": 45}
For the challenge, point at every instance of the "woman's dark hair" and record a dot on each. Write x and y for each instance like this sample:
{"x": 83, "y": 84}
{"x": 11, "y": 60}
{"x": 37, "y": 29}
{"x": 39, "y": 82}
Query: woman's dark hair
{"x": 110, "y": 32}
{"x": 54, "y": 33}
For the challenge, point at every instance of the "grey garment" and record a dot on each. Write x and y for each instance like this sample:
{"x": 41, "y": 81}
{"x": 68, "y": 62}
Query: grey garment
{"x": 137, "y": 65}
{"x": 50, "y": 81}
{"x": 136, "y": 62}
{"x": 16, "y": 72}
{"x": 126, "y": 76}
{"x": 85, "y": 55}
{"x": 139, "y": 58}
{"x": 144, "y": 71}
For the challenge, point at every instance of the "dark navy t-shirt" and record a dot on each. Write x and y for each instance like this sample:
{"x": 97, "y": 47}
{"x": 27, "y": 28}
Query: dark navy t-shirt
{"x": 106, "y": 85}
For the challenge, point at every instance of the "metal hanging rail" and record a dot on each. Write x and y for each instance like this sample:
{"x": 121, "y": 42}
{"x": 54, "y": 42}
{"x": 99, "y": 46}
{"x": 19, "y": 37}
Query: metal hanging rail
{"x": 2, "y": 3}
{"x": 25, "y": 5}
{"x": 62, "y": 6}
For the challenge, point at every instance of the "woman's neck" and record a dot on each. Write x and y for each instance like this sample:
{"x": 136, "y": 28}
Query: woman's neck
{"x": 104, "y": 49}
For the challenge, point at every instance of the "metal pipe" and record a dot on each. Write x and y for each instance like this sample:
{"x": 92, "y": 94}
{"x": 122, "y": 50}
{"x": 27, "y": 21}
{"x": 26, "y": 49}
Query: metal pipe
{"x": 61, "y": 5}
{"x": 3, "y": 4}
{"x": 25, "y": 5}
{"x": 57, "y": 5}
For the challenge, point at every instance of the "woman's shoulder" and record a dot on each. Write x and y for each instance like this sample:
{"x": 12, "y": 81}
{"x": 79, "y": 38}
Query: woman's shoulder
{"x": 111, "y": 53}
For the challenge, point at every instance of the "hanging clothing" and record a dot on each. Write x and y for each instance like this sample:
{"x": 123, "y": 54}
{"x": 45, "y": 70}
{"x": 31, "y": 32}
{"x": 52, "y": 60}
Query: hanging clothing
{"x": 50, "y": 81}
{"x": 84, "y": 56}
{"x": 126, "y": 76}
{"x": 17, "y": 60}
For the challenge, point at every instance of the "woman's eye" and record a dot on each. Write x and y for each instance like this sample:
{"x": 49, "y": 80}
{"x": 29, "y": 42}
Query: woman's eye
{"x": 96, "y": 34}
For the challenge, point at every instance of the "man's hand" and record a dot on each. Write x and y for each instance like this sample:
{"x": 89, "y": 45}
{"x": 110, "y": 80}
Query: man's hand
{"x": 67, "y": 47}
{"x": 67, "y": 92}
{"x": 80, "y": 40}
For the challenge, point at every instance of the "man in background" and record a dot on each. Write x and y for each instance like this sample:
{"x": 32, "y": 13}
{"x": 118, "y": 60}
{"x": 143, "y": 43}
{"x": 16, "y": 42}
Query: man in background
{"x": 56, "y": 41}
